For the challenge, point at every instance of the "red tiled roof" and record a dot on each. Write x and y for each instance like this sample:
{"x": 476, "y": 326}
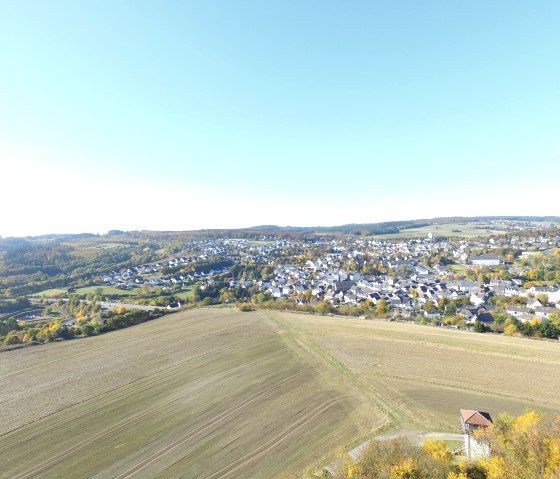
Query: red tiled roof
{"x": 476, "y": 418}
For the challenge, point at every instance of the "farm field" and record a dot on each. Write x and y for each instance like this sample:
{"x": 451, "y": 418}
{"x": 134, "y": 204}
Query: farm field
{"x": 421, "y": 376}
{"x": 106, "y": 291}
{"x": 445, "y": 230}
{"x": 51, "y": 292}
{"x": 91, "y": 247}
{"x": 207, "y": 393}
{"x": 214, "y": 392}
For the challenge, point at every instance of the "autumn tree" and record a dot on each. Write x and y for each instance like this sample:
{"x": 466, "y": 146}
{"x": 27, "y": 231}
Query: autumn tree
{"x": 437, "y": 449}
{"x": 524, "y": 447}
{"x": 382, "y": 308}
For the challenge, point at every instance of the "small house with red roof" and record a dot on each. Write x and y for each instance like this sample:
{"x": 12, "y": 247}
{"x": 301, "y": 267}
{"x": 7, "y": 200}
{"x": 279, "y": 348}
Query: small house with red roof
{"x": 472, "y": 421}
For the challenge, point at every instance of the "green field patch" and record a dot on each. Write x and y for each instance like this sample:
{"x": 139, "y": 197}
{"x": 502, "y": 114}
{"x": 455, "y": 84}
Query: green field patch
{"x": 185, "y": 295}
{"x": 51, "y": 292}
{"x": 459, "y": 269}
{"x": 106, "y": 291}
{"x": 447, "y": 230}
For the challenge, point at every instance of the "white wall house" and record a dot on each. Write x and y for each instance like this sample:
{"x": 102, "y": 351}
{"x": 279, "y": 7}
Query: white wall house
{"x": 472, "y": 421}
{"x": 487, "y": 260}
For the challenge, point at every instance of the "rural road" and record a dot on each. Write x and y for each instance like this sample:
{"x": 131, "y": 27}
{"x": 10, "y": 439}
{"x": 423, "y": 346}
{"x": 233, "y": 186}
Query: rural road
{"x": 417, "y": 437}
{"x": 128, "y": 306}
{"x": 111, "y": 305}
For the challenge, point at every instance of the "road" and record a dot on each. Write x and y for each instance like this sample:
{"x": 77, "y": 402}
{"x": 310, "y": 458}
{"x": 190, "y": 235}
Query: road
{"x": 111, "y": 305}
{"x": 418, "y": 437}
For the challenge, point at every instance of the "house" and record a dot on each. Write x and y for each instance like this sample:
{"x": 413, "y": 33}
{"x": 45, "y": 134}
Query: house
{"x": 554, "y": 295}
{"x": 432, "y": 315}
{"x": 528, "y": 254}
{"x": 517, "y": 311}
{"x": 535, "y": 304}
{"x": 544, "y": 312}
{"x": 472, "y": 421}
{"x": 176, "y": 305}
{"x": 487, "y": 260}
{"x": 343, "y": 285}
{"x": 477, "y": 299}
{"x": 484, "y": 317}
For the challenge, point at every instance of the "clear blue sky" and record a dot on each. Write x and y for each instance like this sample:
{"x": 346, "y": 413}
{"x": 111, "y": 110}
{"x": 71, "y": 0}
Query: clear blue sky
{"x": 180, "y": 115}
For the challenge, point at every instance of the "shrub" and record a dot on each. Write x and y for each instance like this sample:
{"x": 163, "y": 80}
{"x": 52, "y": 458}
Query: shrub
{"x": 245, "y": 307}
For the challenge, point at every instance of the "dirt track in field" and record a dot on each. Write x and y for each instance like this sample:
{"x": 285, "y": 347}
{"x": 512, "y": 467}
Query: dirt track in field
{"x": 429, "y": 373}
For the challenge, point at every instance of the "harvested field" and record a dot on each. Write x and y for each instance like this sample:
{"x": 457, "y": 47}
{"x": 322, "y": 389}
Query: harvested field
{"x": 446, "y": 230}
{"x": 425, "y": 374}
{"x": 206, "y": 393}
{"x": 214, "y": 393}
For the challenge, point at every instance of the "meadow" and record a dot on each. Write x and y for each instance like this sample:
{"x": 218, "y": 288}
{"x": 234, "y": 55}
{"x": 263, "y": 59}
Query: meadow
{"x": 102, "y": 289}
{"x": 447, "y": 230}
{"x": 215, "y": 392}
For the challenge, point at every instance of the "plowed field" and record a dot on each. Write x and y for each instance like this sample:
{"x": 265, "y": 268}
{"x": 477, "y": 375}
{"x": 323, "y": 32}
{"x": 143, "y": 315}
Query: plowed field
{"x": 207, "y": 393}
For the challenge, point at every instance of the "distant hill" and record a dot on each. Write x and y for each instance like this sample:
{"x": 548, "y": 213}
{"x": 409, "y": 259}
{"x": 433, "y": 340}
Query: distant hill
{"x": 394, "y": 227}
{"x": 381, "y": 228}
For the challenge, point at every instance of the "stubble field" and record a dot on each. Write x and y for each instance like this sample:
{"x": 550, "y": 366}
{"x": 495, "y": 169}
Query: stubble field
{"x": 422, "y": 376}
{"x": 206, "y": 393}
{"x": 218, "y": 393}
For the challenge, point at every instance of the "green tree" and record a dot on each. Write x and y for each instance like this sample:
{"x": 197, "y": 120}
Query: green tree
{"x": 88, "y": 329}
{"x": 324, "y": 308}
{"x": 429, "y": 307}
{"x": 382, "y": 308}
{"x": 479, "y": 327}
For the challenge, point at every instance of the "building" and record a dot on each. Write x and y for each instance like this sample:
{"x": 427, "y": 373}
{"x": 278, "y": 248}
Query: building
{"x": 487, "y": 260}
{"x": 472, "y": 421}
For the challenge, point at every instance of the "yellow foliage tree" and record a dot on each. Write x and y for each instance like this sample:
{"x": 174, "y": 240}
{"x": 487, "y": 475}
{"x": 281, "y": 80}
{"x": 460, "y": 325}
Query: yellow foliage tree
{"x": 457, "y": 475}
{"x": 524, "y": 447}
{"x": 121, "y": 310}
{"x": 351, "y": 471}
{"x": 536, "y": 322}
{"x": 496, "y": 468}
{"x": 510, "y": 330}
{"x": 552, "y": 470}
{"x": 437, "y": 449}
{"x": 407, "y": 469}
{"x": 526, "y": 422}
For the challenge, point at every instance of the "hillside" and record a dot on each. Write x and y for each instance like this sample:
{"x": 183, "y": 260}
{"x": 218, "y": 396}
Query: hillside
{"x": 208, "y": 393}
{"x": 214, "y": 393}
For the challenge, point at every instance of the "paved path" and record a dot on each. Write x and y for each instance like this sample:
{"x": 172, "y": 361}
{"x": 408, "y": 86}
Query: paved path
{"x": 112, "y": 305}
{"x": 129, "y": 306}
{"x": 418, "y": 437}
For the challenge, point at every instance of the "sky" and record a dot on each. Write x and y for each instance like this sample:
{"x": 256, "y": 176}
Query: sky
{"x": 177, "y": 115}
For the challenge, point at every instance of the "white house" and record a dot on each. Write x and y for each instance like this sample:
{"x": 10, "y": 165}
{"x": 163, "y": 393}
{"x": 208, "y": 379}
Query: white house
{"x": 487, "y": 260}
{"x": 472, "y": 421}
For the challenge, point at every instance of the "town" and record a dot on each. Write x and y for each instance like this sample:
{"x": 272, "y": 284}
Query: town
{"x": 504, "y": 280}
